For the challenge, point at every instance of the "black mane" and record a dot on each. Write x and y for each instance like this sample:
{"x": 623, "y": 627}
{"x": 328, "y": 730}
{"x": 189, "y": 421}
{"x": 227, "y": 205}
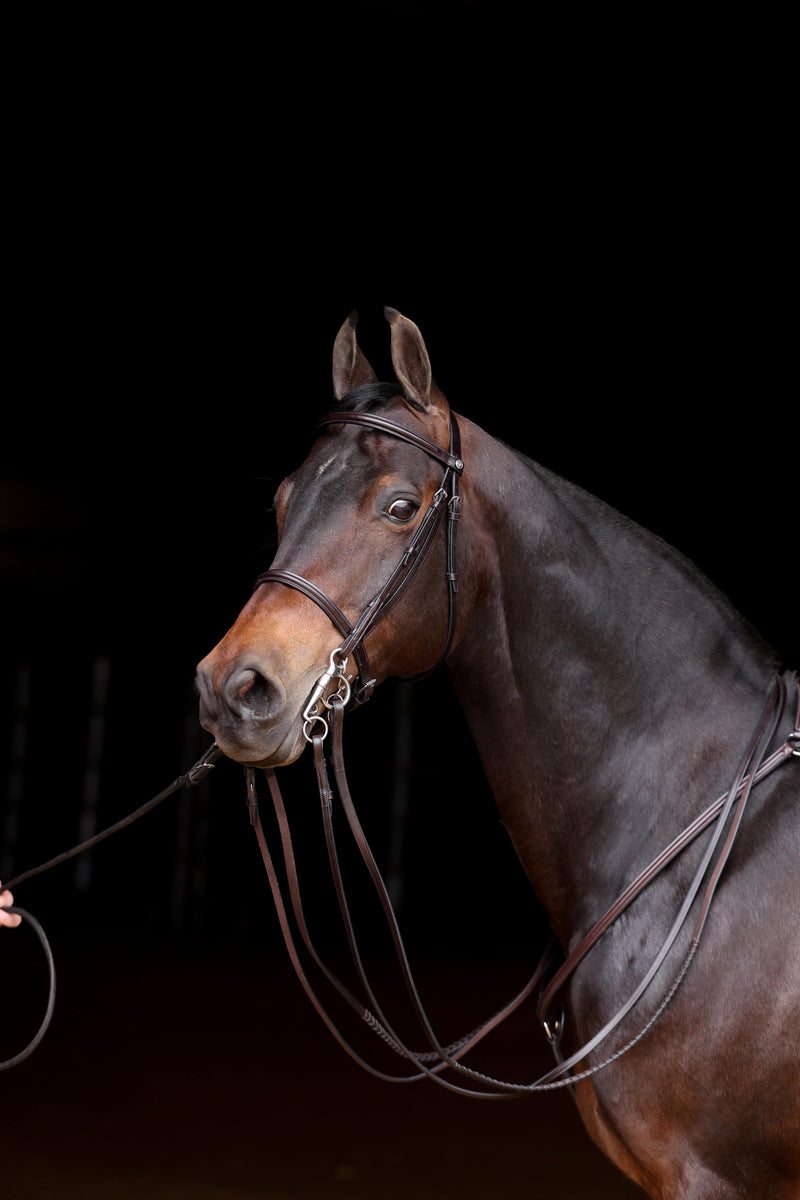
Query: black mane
{"x": 369, "y": 397}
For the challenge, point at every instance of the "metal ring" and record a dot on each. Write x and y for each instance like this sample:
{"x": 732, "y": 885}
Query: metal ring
{"x": 308, "y": 725}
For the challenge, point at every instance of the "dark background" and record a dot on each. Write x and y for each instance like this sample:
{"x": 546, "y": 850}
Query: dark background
{"x": 595, "y": 248}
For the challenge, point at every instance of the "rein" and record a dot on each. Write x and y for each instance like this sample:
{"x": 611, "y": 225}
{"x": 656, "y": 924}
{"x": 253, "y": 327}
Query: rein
{"x": 195, "y": 775}
{"x": 727, "y": 811}
{"x": 790, "y": 748}
{"x": 755, "y": 767}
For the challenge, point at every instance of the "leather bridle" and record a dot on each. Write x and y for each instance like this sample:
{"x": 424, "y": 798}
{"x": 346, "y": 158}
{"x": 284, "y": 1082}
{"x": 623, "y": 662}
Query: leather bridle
{"x": 331, "y": 694}
{"x": 446, "y": 501}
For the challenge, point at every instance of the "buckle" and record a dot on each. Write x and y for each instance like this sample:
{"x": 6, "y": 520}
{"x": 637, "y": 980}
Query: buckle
{"x": 204, "y": 766}
{"x": 553, "y": 1031}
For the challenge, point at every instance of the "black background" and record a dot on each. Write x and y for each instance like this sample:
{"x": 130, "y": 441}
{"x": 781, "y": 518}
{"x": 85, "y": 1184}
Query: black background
{"x": 595, "y": 248}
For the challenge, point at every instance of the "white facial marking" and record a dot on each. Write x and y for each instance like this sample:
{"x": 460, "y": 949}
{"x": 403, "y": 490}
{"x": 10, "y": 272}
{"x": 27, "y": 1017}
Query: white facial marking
{"x": 324, "y": 466}
{"x": 337, "y": 461}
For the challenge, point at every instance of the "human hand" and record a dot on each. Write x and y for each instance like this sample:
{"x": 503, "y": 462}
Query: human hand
{"x": 7, "y": 918}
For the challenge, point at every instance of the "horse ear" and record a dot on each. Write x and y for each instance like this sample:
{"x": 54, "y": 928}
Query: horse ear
{"x": 412, "y": 365}
{"x": 350, "y": 367}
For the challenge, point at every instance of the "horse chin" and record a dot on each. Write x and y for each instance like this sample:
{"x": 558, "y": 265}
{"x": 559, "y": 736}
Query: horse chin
{"x": 250, "y": 754}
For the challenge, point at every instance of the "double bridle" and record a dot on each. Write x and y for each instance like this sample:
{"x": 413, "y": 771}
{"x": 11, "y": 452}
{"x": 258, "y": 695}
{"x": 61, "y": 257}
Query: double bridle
{"x": 446, "y": 501}
{"x": 331, "y": 694}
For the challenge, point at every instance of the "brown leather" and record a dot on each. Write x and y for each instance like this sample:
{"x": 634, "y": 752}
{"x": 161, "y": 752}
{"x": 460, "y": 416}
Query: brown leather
{"x": 193, "y": 776}
{"x": 198, "y": 772}
{"x": 336, "y": 616}
{"x": 441, "y": 1057}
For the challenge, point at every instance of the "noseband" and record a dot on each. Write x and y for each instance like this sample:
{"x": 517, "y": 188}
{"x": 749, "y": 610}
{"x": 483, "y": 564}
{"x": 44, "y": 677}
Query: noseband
{"x": 446, "y": 501}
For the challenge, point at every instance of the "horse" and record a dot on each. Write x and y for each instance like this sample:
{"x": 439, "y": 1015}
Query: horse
{"x": 611, "y": 692}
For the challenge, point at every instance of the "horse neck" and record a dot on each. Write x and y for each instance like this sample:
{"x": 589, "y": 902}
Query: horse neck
{"x": 608, "y": 686}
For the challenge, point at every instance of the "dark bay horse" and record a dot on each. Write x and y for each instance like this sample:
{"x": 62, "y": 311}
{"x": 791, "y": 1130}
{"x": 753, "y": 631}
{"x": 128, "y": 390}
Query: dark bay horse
{"x": 612, "y": 693}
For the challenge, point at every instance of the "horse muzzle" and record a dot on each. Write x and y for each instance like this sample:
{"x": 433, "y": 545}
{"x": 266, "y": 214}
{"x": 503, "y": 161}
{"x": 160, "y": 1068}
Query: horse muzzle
{"x": 246, "y": 710}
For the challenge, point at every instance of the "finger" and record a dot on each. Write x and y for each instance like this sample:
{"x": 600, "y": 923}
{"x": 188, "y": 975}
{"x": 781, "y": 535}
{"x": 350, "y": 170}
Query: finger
{"x": 7, "y": 918}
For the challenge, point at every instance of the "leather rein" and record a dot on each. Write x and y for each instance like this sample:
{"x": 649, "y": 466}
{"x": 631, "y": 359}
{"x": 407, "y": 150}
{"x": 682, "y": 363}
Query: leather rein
{"x": 755, "y": 765}
{"x": 191, "y": 778}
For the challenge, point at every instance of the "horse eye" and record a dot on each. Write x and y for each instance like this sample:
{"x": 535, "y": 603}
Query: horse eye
{"x": 402, "y": 510}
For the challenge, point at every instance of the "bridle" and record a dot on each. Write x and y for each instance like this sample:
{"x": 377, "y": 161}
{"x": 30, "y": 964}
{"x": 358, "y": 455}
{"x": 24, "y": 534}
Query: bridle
{"x": 445, "y": 502}
{"x": 330, "y": 695}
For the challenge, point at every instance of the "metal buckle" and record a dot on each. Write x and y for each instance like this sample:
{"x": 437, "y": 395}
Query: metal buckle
{"x": 553, "y": 1032}
{"x": 795, "y": 738}
{"x": 204, "y": 766}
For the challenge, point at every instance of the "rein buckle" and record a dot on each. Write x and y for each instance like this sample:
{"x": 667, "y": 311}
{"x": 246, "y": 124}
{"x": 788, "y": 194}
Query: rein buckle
{"x": 553, "y": 1030}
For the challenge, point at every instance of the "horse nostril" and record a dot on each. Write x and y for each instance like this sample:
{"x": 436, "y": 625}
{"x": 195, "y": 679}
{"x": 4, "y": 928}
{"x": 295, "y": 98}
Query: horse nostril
{"x": 249, "y": 693}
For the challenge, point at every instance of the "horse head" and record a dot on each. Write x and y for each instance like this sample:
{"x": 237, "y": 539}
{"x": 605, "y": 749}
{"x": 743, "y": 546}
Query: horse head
{"x": 346, "y": 518}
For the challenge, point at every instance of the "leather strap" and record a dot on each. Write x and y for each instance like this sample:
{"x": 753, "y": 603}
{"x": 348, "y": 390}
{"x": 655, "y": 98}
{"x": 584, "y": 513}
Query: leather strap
{"x": 378, "y": 1024}
{"x": 16, "y": 1059}
{"x": 198, "y": 772}
{"x": 195, "y": 775}
{"x": 334, "y": 614}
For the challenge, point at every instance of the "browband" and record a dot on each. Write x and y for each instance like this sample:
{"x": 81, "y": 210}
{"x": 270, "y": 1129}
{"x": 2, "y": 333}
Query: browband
{"x": 448, "y": 458}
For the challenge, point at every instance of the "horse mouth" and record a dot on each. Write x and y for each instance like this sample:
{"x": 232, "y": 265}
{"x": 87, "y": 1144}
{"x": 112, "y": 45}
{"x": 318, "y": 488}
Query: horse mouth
{"x": 253, "y": 742}
{"x": 255, "y": 717}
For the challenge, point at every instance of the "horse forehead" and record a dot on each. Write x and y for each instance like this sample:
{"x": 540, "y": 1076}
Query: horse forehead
{"x": 328, "y": 485}
{"x": 328, "y": 473}
{"x": 359, "y": 458}
{"x": 325, "y": 464}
